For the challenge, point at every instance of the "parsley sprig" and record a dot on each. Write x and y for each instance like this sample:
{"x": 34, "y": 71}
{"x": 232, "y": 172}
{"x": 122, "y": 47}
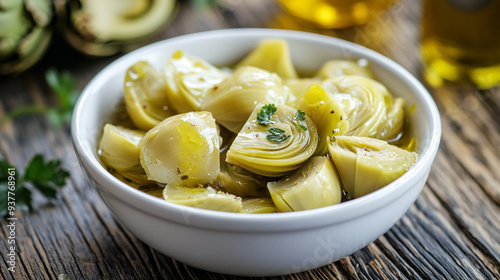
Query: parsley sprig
{"x": 63, "y": 84}
{"x": 45, "y": 176}
{"x": 265, "y": 114}
{"x": 301, "y": 116}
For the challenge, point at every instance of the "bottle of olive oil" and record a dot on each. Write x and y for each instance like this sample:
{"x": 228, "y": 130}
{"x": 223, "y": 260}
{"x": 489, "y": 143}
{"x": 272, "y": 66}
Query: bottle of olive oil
{"x": 461, "y": 41}
{"x": 335, "y": 13}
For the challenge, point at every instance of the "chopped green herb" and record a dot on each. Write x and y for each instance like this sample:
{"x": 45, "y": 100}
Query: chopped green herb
{"x": 264, "y": 116}
{"x": 277, "y": 135}
{"x": 44, "y": 176}
{"x": 300, "y": 115}
{"x": 300, "y": 126}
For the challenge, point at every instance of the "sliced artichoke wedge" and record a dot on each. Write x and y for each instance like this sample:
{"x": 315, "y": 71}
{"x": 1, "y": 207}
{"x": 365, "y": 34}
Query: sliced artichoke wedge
{"x": 204, "y": 197}
{"x": 314, "y": 185}
{"x": 188, "y": 78}
{"x": 367, "y": 164}
{"x": 145, "y": 96}
{"x": 298, "y": 87}
{"x": 119, "y": 147}
{"x": 339, "y": 67}
{"x": 328, "y": 116}
{"x": 363, "y": 101}
{"x": 119, "y": 150}
{"x": 258, "y": 205}
{"x": 277, "y": 147}
{"x": 233, "y": 100}
{"x": 272, "y": 55}
{"x": 394, "y": 121}
{"x": 182, "y": 148}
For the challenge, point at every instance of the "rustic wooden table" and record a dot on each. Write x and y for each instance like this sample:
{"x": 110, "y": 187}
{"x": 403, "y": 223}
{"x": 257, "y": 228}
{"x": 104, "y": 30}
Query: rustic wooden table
{"x": 451, "y": 232}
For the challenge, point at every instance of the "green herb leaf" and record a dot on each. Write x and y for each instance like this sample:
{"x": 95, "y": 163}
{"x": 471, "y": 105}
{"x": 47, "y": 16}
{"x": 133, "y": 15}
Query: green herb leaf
{"x": 63, "y": 84}
{"x": 46, "y": 177}
{"x": 264, "y": 116}
{"x": 300, "y": 115}
{"x": 277, "y": 135}
{"x": 300, "y": 126}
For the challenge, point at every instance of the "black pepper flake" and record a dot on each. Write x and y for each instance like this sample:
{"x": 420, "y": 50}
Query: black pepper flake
{"x": 331, "y": 112}
{"x": 184, "y": 177}
{"x": 178, "y": 171}
{"x": 341, "y": 117}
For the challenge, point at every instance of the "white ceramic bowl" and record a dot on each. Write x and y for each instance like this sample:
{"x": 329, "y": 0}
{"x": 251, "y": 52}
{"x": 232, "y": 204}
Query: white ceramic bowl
{"x": 255, "y": 244}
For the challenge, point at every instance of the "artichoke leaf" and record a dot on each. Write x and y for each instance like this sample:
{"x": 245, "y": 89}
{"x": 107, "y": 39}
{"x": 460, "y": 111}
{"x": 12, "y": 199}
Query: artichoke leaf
{"x": 328, "y": 116}
{"x": 314, "y": 185}
{"x": 204, "y": 197}
{"x": 339, "y": 67}
{"x": 182, "y": 148}
{"x": 298, "y": 87}
{"x": 367, "y": 164}
{"x": 233, "y": 100}
{"x": 253, "y": 150}
{"x": 393, "y": 124}
{"x": 188, "y": 79}
{"x": 272, "y": 55}
{"x": 145, "y": 96}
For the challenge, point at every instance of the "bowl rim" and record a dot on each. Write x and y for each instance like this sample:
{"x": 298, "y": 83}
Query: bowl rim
{"x": 216, "y": 220}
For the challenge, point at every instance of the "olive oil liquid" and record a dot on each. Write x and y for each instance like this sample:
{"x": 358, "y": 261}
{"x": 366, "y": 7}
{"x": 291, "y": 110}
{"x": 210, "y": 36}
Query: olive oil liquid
{"x": 461, "y": 42}
{"x": 335, "y": 13}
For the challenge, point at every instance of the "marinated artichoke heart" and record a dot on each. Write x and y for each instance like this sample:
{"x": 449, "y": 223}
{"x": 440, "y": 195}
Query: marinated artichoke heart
{"x": 25, "y": 33}
{"x": 188, "y": 78}
{"x": 258, "y": 205}
{"x": 202, "y": 197}
{"x": 233, "y": 100}
{"x": 272, "y": 55}
{"x": 362, "y": 100}
{"x": 119, "y": 150}
{"x": 366, "y": 164}
{"x": 328, "y": 116}
{"x": 145, "y": 96}
{"x": 104, "y": 28}
{"x": 338, "y": 67}
{"x": 277, "y": 147}
{"x": 314, "y": 185}
{"x": 392, "y": 125}
{"x": 182, "y": 148}
{"x": 240, "y": 182}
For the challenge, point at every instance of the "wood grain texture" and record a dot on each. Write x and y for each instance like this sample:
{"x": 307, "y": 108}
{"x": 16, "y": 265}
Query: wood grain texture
{"x": 451, "y": 232}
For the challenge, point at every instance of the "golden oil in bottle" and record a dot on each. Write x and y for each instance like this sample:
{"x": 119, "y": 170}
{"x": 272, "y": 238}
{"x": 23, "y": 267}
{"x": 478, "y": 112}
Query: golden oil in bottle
{"x": 335, "y": 13}
{"x": 461, "y": 41}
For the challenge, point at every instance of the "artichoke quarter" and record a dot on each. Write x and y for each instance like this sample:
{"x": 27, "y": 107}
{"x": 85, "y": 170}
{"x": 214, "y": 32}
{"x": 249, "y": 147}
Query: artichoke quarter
{"x": 103, "y": 28}
{"x": 188, "y": 79}
{"x": 204, "y": 197}
{"x": 145, "y": 96}
{"x": 366, "y": 164}
{"x": 183, "y": 149}
{"x": 338, "y": 67}
{"x": 25, "y": 33}
{"x": 274, "y": 145}
{"x": 233, "y": 100}
{"x": 272, "y": 55}
{"x": 314, "y": 185}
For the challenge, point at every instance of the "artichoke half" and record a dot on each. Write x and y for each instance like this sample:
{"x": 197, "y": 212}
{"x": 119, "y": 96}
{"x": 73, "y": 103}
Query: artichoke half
{"x": 182, "y": 149}
{"x": 145, "y": 96}
{"x": 103, "y": 28}
{"x": 233, "y": 100}
{"x": 314, "y": 185}
{"x": 366, "y": 164}
{"x": 274, "y": 145}
{"x": 25, "y": 33}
